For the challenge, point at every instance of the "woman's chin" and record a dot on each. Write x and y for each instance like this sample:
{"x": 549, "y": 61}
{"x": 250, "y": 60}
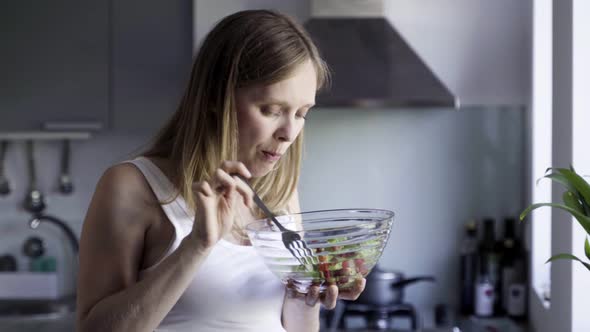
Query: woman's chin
{"x": 260, "y": 170}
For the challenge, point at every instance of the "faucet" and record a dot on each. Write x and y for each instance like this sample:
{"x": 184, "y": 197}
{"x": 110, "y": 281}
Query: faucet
{"x": 69, "y": 302}
{"x": 37, "y": 218}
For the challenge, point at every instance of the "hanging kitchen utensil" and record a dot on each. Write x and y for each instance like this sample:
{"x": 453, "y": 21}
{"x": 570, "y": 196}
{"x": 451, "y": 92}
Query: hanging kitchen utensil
{"x": 33, "y": 247}
{"x": 4, "y": 183}
{"x": 34, "y": 201}
{"x": 65, "y": 182}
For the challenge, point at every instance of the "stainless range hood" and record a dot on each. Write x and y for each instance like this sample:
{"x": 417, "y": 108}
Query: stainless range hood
{"x": 371, "y": 64}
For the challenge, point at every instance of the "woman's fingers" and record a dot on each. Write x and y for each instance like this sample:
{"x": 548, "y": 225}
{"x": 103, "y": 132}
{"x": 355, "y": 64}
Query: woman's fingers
{"x": 236, "y": 167}
{"x": 329, "y": 297}
{"x": 332, "y": 294}
{"x": 233, "y": 168}
{"x": 203, "y": 187}
{"x": 227, "y": 180}
{"x": 353, "y": 293}
{"x": 312, "y": 296}
{"x": 226, "y": 184}
{"x": 244, "y": 189}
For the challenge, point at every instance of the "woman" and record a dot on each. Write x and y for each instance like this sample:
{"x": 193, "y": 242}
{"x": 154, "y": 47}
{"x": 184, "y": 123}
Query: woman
{"x": 163, "y": 245}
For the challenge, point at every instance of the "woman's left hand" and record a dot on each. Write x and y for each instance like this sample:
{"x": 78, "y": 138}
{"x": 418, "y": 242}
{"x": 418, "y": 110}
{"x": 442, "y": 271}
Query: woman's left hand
{"x": 329, "y": 297}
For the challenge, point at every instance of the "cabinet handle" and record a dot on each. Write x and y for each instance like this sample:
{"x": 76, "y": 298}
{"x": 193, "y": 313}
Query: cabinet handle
{"x": 73, "y": 126}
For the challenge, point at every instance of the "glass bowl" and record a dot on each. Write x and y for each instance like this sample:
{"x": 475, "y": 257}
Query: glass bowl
{"x": 347, "y": 243}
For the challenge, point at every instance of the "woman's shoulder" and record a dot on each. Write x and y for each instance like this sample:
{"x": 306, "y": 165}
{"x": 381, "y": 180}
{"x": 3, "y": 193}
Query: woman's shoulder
{"x": 125, "y": 181}
{"x": 122, "y": 206}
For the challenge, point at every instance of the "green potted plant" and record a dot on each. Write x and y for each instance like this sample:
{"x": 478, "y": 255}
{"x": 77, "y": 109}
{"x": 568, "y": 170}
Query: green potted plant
{"x": 576, "y": 199}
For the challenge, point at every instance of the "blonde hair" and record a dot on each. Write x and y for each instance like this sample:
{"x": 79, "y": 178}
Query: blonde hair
{"x": 243, "y": 49}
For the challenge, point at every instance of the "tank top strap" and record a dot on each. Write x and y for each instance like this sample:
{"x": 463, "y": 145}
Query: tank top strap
{"x": 172, "y": 203}
{"x": 161, "y": 186}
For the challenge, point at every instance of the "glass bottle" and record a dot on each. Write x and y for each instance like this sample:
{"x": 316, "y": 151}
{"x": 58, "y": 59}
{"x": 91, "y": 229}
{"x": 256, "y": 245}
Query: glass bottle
{"x": 489, "y": 267}
{"x": 468, "y": 267}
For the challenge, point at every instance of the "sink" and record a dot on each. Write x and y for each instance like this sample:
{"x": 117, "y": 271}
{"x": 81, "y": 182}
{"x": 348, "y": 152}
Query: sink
{"x": 37, "y": 308}
{"x": 38, "y": 315}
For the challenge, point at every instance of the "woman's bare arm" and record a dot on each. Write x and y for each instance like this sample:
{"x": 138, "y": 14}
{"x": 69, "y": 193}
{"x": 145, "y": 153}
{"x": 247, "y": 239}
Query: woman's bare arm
{"x": 110, "y": 297}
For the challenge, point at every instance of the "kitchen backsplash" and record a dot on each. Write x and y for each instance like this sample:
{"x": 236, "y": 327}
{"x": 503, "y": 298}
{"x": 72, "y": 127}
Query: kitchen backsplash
{"x": 89, "y": 159}
{"x": 434, "y": 168}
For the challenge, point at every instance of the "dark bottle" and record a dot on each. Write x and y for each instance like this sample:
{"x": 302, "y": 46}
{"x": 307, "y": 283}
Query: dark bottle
{"x": 468, "y": 267}
{"x": 488, "y": 282}
{"x": 507, "y": 264}
{"x": 513, "y": 272}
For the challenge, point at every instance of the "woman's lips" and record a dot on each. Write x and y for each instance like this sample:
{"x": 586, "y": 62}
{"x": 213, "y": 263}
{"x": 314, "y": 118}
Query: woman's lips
{"x": 272, "y": 157}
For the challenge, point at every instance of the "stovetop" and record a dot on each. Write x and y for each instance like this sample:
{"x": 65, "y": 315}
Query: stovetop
{"x": 446, "y": 329}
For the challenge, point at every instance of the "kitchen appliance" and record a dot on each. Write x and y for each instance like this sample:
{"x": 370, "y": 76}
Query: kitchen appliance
{"x": 372, "y": 65}
{"x": 381, "y": 302}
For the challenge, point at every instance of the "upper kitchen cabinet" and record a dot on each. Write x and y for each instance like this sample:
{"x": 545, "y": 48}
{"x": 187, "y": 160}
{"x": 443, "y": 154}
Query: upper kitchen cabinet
{"x": 53, "y": 63}
{"x": 151, "y": 61}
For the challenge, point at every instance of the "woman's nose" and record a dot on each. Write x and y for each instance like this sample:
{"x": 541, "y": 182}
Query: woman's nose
{"x": 287, "y": 131}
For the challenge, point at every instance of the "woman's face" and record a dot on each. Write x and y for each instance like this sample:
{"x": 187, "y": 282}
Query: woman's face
{"x": 270, "y": 118}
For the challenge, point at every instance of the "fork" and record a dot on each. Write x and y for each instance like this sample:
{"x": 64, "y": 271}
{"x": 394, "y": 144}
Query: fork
{"x": 292, "y": 241}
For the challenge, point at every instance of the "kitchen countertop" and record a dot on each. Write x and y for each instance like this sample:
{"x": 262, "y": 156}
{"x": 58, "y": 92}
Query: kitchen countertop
{"x": 61, "y": 323}
{"x": 393, "y": 330}
{"x": 66, "y": 323}
{"x": 464, "y": 324}
{"x": 27, "y": 315}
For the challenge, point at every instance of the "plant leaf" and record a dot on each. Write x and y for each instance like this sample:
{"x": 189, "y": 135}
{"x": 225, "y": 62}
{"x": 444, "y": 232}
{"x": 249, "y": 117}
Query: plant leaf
{"x": 568, "y": 256}
{"x": 582, "y": 187}
{"x": 558, "y": 177}
{"x": 582, "y": 219}
{"x": 587, "y": 248}
{"x": 571, "y": 200}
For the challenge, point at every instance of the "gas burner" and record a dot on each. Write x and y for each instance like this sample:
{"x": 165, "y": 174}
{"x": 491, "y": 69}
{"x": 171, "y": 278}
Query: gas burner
{"x": 377, "y": 317}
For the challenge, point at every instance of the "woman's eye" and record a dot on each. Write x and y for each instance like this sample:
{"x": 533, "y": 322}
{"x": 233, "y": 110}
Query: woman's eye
{"x": 301, "y": 116}
{"x": 271, "y": 111}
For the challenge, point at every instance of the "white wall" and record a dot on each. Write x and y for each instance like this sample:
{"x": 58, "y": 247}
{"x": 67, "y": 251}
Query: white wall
{"x": 480, "y": 49}
{"x": 207, "y": 12}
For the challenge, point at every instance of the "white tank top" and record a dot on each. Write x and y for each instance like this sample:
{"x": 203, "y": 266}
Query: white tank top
{"x": 232, "y": 290}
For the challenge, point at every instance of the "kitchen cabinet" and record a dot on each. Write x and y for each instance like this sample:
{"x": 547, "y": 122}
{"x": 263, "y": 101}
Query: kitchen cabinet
{"x": 53, "y": 63}
{"x": 121, "y": 65}
{"x": 209, "y": 12}
{"x": 151, "y": 61}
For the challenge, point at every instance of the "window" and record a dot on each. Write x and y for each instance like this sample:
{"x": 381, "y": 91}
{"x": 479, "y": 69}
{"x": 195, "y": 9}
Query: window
{"x": 541, "y": 147}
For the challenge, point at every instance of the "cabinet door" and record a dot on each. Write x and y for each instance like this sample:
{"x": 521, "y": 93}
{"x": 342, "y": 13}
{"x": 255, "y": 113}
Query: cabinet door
{"x": 53, "y": 63}
{"x": 151, "y": 50}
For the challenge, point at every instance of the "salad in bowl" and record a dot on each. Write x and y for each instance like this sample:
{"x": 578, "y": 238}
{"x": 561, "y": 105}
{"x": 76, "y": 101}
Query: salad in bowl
{"x": 345, "y": 244}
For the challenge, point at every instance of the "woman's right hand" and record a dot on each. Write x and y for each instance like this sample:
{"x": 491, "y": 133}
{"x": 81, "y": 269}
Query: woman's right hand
{"x": 216, "y": 200}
